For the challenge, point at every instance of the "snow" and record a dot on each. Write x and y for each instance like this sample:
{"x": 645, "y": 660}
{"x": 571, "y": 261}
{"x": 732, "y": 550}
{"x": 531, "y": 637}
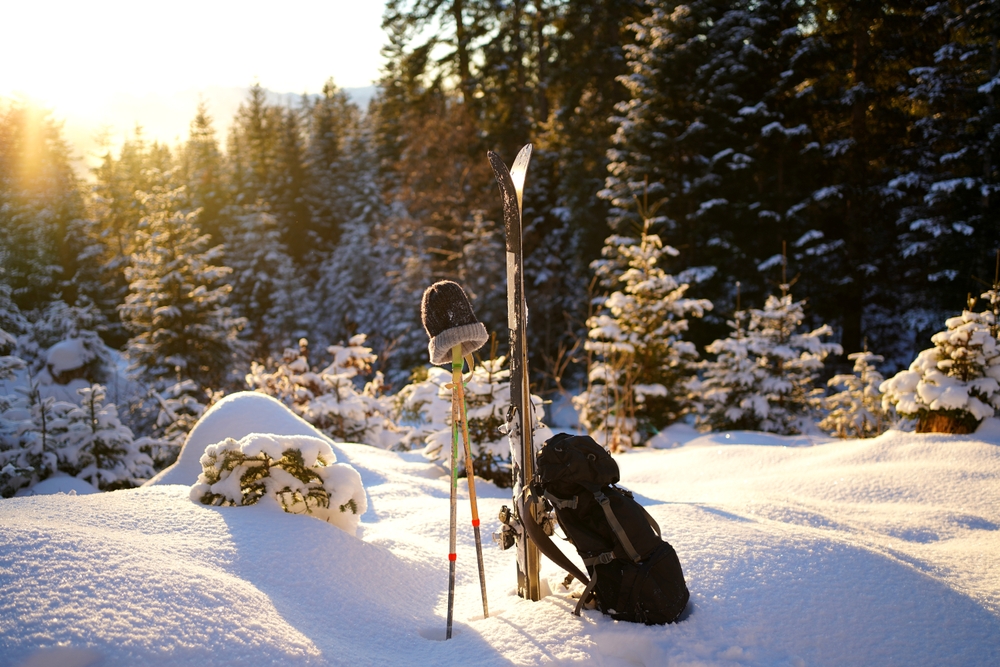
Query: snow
{"x": 235, "y": 416}
{"x": 59, "y": 483}
{"x": 66, "y": 355}
{"x": 796, "y": 550}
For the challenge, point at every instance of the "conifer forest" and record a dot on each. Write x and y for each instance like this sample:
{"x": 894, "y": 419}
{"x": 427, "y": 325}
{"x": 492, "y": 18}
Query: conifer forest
{"x": 711, "y": 180}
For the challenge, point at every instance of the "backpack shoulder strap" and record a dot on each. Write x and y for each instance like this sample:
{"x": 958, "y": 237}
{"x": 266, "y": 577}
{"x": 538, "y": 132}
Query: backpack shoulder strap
{"x": 544, "y": 542}
{"x": 616, "y": 526}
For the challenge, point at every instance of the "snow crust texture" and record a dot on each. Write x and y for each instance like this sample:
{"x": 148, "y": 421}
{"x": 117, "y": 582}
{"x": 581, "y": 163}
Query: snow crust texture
{"x": 875, "y": 552}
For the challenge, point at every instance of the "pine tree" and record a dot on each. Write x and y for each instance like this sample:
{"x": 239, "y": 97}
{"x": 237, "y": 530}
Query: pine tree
{"x": 954, "y": 385}
{"x": 299, "y": 472}
{"x": 40, "y": 203}
{"x": 641, "y": 360}
{"x": 177, "y": 307}
{"x": 949, "y": 182}
{"x": 763, "y": 378}
{"x": 424, "y": 408}
{"x": 201, "y": 171}
{"x": 263, "y": 282}
{"x": 98, "y": 448}
{"x": 856, "y": 411}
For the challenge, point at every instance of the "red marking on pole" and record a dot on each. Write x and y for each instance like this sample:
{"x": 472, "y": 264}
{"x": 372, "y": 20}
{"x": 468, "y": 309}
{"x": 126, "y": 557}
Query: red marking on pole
{"x": 452, "y": 556}
{"x": 475, "y": 523}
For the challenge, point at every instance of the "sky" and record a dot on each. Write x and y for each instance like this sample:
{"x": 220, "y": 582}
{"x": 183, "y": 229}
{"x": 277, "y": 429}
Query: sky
{"x": 105, "y": 65}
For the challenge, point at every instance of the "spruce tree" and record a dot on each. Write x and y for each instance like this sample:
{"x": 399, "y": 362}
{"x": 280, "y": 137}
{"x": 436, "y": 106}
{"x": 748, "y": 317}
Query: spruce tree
{"x": 98, "y": 448}
{"x": 947, "y": 226}
{"x": 177, "y": 307}
{"x": 762, "y": 378}
{"x": 202, "y": 172}
{"x": 954, "y": 385}
{"x": 856, "y": 411}
{"x": 40, "y": 204}
{"x": 263, "y": 283}
{"x": 641, "y": 362}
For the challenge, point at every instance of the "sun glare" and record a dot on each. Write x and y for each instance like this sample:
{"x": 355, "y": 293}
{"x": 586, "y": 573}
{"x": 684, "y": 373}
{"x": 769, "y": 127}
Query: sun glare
{"x": 110, "y": 62}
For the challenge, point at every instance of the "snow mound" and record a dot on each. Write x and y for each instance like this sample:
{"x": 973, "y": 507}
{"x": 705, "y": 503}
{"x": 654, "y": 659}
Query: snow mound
{"x": 878, "y": 551}
{"x": 59, "y": 484}
{"x": 235, "y": 416}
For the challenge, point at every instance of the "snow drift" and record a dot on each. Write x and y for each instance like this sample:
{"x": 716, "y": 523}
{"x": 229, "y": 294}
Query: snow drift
{"x": 878, "y": 551}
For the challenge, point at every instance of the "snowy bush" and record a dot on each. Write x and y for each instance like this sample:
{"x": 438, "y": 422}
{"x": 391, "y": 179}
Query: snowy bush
{"x": 299, "y": 472}
{"x": 41, "y": 436}
{"x": 60, "y": 345}
{"x": 640, "y": 362}
{"x": 98, "y": 448}
{"x": 954, "y": 385}
{"x": 328, "y": 398}
{"x": 762, "y": 378}
{"x": 856, "y": 411}
{"x": 425, "y": 405}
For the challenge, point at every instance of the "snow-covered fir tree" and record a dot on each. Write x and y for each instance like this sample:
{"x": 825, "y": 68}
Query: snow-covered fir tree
{"x": 33, "y": 430}
{"x": 954, "y": 385}
{"x": 177, "y": 307}
{"x": 329, "y": 399}
{"x": 354, "y": 291}
{"x": 424, "y": 409}
{"x": 98, "y": 448}
{"x": 640, "y": 360}
{"x": 762, "y": 378}
{"x": 948, "y": 227}
{"x": 11, "y": 324}
{"x": 856, "y": 411}
{"x": 265, "y": 287}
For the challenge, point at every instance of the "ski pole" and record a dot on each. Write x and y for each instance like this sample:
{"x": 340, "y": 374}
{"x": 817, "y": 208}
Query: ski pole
{"x": 452, "y": 551}
{"x": 451, "y": 325}
{"x": 461, "y": 416}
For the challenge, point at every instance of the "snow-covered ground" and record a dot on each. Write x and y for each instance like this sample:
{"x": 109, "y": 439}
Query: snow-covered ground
{"x": 796, "y": 551}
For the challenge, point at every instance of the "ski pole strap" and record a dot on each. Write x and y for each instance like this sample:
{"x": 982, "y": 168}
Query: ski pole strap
{"x": 616, "y": 526}
{"x": 562, "y": 503}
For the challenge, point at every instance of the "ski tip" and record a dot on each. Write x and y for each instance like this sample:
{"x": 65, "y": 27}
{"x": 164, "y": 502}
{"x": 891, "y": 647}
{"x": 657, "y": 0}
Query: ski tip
{"x": 523, "y": 156}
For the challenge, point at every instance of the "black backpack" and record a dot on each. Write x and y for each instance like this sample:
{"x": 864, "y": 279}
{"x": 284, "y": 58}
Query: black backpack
{"x": 634, "y": 574}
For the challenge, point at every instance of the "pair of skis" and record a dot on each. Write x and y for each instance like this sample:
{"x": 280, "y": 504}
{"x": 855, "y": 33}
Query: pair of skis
{"x": 520, "y": 417}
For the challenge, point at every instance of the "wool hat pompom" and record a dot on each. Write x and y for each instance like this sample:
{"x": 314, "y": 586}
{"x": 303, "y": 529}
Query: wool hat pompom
{"x": 449, "y": 321}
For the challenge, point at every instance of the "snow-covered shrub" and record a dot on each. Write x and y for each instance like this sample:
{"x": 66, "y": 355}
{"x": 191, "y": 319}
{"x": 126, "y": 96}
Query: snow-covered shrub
{"x": 178, "y": 408}
{"x": 426, "y": 407}
{"x": 640, "y": 363}
{"x": 856, "y": 411}
{"x": 98, "y": 448}
{"x": 9, "y": 363}
{"x": 329, "y": 399}
{"x": 299, "y": 472}
{"x": 41, "y": 436}
{"x": 32, "y": 428}
{"x": 60, "y": 345}
{"x": 954, "y": 385}
{"x": 762, "y": 378}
